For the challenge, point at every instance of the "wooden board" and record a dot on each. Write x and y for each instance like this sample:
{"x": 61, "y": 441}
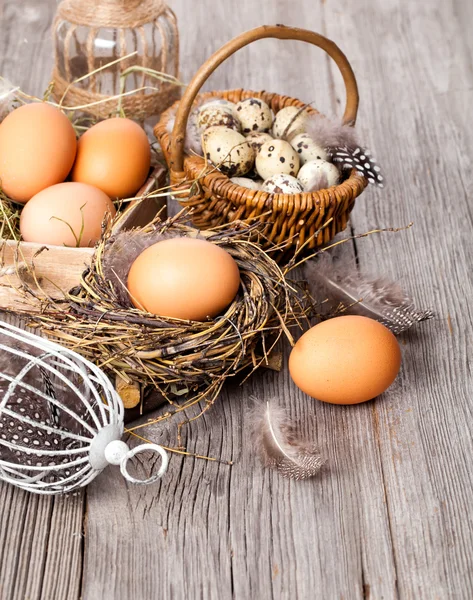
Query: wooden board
{"x": 41, "y": 544}
{"x": 391, "y": 515}
{"x": 31, "y": 273}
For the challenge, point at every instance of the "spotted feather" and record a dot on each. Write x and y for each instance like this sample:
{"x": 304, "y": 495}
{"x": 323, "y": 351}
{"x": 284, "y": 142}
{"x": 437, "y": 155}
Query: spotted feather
{"x": 359, "y": 159}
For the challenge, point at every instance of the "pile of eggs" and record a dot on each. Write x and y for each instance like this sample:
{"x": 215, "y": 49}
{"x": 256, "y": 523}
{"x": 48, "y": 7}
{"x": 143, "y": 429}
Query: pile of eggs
{"x": 67, "y": 186}
{"x": 262, "y": 152}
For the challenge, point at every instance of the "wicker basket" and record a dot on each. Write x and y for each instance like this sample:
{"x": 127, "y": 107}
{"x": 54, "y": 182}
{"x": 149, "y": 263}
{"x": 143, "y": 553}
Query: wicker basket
{"x": 292, "y": 220}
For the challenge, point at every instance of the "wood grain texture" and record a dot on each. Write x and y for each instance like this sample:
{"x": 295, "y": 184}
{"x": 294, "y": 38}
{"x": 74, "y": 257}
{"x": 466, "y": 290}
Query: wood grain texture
{"x": 390, "y": 517}
{"x": 213, "y": 531}
{"x": 40, "y": 538}
{"x": 49, "y": 271}
{"x": 419, "y": 123}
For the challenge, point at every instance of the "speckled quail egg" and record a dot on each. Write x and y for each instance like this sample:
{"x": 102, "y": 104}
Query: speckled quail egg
{"x": 277, "y": 156}
{"x": 246, "y": 182}
{"x": 211, "y": 116}
{"x": 254, "y": 115}
{"x": 193, "y": 142}
{"x": 316, "y": 172}
{"x": 307, "y": 148}
{"x": 228, "y": 150}
{"x": 289, "y": 121}
{"x": 231, "y": 106}
{"x": 281, "y": 183}
{"x": 257, "y": 138}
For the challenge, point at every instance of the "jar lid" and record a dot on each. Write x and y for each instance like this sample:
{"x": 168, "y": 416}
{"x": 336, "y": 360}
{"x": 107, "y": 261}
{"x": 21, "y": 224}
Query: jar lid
{"x": 110, "y": 13}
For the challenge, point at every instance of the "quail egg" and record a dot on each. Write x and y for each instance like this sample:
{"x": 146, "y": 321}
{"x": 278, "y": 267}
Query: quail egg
{"x": 277, "y": 156}
{"x": 228, "y": 150}
{"x": 211, "y": 116}
{"x": 307, "y": 148}
{"x": 254, "y": 115}
{"x": 281, "y": 183}
{"x": 318, "y": 174}
{"x": 257, "y": 138}
{"x": 222, "y": 103}
{"x": 246, "y": 182}
{"x": 289, "y": 122}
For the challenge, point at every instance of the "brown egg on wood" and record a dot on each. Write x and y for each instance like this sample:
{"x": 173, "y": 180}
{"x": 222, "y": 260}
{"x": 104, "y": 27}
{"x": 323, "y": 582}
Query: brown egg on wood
{"x": 66, "y": 214}
{"x": 184, "y": 278}
{"x": 115, "y": 156}
{"x": 345, "y": 360}
{"x": 37, "y": 149}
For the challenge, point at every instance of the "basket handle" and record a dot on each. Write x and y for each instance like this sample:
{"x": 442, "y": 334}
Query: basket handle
{"x": 281, "y": 32}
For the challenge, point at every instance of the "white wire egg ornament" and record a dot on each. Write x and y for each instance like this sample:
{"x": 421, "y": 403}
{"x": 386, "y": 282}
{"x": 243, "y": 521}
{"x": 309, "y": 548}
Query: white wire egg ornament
{"x": 61, "y": 419}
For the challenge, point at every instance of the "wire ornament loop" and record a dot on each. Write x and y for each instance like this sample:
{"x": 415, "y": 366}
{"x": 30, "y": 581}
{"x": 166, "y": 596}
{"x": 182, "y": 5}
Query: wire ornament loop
{"x": 61, "y": 418}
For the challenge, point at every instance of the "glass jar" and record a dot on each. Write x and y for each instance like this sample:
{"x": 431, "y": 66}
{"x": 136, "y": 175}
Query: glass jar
{"x": 88, "y": 35}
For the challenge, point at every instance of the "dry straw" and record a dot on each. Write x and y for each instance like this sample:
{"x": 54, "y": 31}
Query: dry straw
{"x": 148, "y": 25}
{"x": 186, "y": 361}
{"x": 9, "y": 219}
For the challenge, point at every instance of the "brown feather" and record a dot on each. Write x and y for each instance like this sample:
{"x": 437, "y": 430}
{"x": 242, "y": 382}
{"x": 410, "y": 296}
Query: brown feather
{"x": 279, "y": 445}
{"x": 329, "y": 133}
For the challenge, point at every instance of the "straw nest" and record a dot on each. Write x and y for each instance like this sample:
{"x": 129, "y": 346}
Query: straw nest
{"x": 9, "y": 219}
{"x": 186, "y": 361}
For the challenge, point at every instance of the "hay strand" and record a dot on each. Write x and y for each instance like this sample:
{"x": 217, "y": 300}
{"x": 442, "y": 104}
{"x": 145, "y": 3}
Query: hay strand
{"x": 187, "y": 361}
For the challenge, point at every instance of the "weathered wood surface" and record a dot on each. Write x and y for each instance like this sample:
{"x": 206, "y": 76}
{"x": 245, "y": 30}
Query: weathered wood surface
{"x": 41, "y": 546}
{"x": 391, "y": 515}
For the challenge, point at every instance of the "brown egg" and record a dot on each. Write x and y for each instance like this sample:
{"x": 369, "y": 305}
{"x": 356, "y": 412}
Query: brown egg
{"x": 184, "y": 278}
{"x": 115, "y": 156}
{"x": 66, "y": 214}
{"x": 37, "y": 149}
{"x": 345, "y": 360}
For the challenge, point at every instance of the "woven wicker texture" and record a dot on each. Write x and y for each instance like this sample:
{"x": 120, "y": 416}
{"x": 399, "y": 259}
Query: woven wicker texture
{"x": 292, "y": 219}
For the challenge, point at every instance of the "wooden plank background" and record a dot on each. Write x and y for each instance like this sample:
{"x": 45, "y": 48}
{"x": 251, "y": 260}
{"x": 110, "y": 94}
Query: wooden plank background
{"x": 391, "y": 517}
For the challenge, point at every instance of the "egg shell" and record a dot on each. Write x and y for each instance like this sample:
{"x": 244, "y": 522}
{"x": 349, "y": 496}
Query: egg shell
{"x": 115, "y": 156}
{"x": 50, "y": 215}
{"x": 184, "y": 278}
{"x": 256, "y": 139}
{"x": 282, "y": 184}
{"x": 231, "y": 106}
{"x": 246, "y": 182}
{"x": 228, "y": 150}
{"x": 37, "y": 149}
{"x": 254, "y": 115}
{"x": 285, "y": 127}
{"x": 307, "y": 148}
{"x": 313, "y": 169}
{"x": 275, "y": 157}
{"x": 345, "y": 360}
{"x": 217, "y": 115}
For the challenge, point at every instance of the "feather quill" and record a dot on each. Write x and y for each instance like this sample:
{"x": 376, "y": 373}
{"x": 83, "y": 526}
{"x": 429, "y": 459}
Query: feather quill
{"x": 279, "y": 445}
{"x": 377, "y": 298}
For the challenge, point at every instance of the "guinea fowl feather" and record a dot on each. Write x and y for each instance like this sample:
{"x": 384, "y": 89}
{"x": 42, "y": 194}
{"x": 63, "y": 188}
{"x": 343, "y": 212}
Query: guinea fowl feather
{"x": 280, "y": 447}
{"x": 378, "y": 298}
{"x": 341, "y": 142}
